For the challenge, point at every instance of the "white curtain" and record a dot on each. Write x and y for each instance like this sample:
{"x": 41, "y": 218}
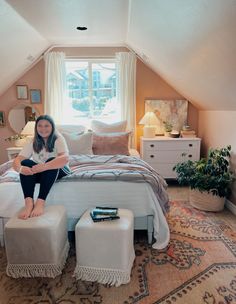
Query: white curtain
{"x": 55, "y": 84}
{"x": 126, "y": 90}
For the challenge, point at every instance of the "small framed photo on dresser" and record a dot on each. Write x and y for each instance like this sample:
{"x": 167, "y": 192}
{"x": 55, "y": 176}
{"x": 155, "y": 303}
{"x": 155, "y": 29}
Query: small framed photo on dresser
{"x": 35, "y": 96}
{"x": 22, "y": 92}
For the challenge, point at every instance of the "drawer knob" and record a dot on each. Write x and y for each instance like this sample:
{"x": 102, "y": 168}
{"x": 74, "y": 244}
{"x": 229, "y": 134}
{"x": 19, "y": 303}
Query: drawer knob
{"x": 190, "y": 145}
{"x": 151, "y": 156}
{"x": 151, "y": 145}
{"x": 190, "y": 155}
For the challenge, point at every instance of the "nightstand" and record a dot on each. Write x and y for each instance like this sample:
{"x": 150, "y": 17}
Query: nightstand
{"x": 163, "y": 153}
{"x": 12, "y": 152}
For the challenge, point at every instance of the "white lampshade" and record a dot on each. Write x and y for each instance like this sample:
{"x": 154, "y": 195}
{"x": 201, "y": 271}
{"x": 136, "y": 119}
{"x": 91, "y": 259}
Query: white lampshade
{"x": 149, "y": 121}
{"x": 28, "y": 128}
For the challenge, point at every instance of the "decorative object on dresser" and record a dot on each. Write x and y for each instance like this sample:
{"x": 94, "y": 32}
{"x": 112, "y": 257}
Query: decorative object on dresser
{"x": 187, "y": 132}
{"x": 26, "y": 134}
{"x": 209, "y": 179}
{"x": 149, "y": 121}
{"x": 173, "y": 112}
{"x": 17, "y": 139}
{"x": 163, "y": 153}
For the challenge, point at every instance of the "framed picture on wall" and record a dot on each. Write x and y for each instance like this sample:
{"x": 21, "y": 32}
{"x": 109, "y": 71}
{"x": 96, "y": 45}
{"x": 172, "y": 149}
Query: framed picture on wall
{"x": 35, "y": 96}
{"x": 174, "y": 112}
{"x": 22, "y": 92}
{"x": 2, "y": 119}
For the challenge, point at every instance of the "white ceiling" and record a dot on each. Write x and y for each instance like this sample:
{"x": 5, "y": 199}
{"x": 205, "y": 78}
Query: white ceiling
{"x": 190, "y": 43}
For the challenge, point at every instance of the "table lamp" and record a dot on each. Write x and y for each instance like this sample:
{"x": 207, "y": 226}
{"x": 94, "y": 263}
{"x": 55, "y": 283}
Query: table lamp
{"x": 28, "y": 130}
{"x": 149, "y": 121}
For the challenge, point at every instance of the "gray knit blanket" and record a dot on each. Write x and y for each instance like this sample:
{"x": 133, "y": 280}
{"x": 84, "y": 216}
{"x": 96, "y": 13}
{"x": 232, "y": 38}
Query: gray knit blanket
{"x": 106, "y": 167}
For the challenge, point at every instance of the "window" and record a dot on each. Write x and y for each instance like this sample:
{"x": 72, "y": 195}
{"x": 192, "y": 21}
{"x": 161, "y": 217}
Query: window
{"x": 91, "y": 92}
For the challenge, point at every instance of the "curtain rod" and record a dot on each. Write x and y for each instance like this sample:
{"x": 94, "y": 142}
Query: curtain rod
{"x": 75, "y": 57}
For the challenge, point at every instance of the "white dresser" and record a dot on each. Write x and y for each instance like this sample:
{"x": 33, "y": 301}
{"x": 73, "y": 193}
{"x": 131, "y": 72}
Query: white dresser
{"x": 163, "y": 153}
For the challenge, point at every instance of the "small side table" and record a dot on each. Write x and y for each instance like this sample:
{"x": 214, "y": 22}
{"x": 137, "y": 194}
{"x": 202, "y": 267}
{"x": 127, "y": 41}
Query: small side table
{"x": 12, "y": 152}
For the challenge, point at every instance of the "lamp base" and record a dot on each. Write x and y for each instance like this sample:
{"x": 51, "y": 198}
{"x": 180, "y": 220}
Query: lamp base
{"x": 149, "y": 131}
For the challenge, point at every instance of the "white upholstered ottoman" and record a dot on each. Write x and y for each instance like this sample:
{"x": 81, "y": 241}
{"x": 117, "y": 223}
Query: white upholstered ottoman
{"x": 38, "y": 246}
{"x": 104, "y": 250}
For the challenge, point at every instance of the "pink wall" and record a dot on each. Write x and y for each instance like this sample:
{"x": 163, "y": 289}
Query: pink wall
{"x": 34, "y": 79}
{"x": 217, "y": 131}
{"x": 149, "y": 86}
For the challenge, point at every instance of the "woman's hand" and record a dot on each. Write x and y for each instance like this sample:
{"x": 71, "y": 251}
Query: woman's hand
{"x": 26, "y": 170}
{"x": 39, "y": 168}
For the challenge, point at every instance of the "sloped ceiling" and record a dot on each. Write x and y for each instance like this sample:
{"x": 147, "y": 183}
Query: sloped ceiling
{"x": 191, "y": 44}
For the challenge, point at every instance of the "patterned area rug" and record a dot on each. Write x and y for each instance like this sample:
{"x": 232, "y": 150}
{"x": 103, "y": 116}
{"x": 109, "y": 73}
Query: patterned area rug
{"x": 199, "y": 266}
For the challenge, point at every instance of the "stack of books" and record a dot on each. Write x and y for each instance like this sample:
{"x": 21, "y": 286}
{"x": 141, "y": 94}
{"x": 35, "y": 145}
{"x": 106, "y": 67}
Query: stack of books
{"x": 100, "y": 214}
{"x": 188, "y": 133}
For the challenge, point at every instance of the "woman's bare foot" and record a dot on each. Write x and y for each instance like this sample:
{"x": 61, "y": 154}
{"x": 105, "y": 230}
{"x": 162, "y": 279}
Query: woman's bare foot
{"x": 38, "y": 208}
{"x": 29, "y": 205}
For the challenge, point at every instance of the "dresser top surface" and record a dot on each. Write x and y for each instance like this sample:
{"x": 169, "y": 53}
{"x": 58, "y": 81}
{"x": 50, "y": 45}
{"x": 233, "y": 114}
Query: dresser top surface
{"x": 165, "y": 138}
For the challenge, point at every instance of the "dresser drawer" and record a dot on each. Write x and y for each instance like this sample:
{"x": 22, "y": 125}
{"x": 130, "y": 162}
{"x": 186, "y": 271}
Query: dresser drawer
{"x": 169, "y": 156}
{"x": 172, "y": 145}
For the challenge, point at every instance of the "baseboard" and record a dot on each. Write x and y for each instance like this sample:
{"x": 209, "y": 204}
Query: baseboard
{"x": 231, "y": 206}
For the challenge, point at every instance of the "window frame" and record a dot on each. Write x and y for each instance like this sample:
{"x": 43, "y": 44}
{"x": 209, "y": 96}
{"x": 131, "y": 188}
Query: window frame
{"x": 91, "y": 61}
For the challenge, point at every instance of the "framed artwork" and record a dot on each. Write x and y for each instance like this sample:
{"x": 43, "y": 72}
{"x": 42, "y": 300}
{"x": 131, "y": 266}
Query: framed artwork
{"x": 22, "y": 92}
{"x": 2, "y": 119}
{"x": 35, "y": 96}
{"x": 173, "y": 112}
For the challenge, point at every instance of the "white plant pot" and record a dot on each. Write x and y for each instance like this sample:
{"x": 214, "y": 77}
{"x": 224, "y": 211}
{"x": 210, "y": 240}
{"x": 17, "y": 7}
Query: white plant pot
{"x": 20, "y": 142}
{"x": 206, "y": 201}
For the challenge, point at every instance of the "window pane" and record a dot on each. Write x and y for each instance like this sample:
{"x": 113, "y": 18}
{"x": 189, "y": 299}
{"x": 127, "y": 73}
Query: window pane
{"x": 91, "y": 92}
{"x": 77, "y": 81}
{"x": 104, "y": 90}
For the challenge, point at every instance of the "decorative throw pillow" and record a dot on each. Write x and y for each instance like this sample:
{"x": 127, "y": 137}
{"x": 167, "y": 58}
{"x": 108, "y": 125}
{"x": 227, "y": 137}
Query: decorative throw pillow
{"x": 79, "y": 144}
{"x": 101, "y": 127}
{"x": 111, "y": 143}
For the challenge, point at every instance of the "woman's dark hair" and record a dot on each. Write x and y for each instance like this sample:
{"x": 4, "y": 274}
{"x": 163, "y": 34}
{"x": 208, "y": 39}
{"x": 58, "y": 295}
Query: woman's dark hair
{"x": 38, "y": 142}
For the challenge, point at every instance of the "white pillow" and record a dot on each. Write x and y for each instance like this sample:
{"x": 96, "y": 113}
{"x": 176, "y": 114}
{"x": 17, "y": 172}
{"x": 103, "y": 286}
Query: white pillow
{"x": 79, "y": 144}
{"x": 101, "y": 127}
{"x": 77, "y": 129}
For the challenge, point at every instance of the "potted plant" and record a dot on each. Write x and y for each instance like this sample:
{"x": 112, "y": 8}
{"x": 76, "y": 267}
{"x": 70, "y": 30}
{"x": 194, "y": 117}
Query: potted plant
{"x": 167, "y": 127}
{"x": 18, "y": 139}
{"x": 209, "y": 179}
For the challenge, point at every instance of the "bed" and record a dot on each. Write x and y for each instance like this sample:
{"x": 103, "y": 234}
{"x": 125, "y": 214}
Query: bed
{"x": 88, "y": 189}
{"x": 98, "y": 180}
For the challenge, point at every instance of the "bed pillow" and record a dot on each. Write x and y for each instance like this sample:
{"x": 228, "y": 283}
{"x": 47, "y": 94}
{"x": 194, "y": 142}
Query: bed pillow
{"x": 101, "y": 127}
{"x": 77, "y": 129}
{"x": 79, "y": 143}
{"x": 111, "y": 143}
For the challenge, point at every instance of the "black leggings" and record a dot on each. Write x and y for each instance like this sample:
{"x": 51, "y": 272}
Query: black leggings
{"x": 46, "y": 179}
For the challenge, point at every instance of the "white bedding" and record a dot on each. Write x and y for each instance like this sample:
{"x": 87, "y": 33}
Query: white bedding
{"x": 79, "y": 196}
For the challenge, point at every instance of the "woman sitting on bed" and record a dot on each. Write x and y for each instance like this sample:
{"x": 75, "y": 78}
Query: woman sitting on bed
{"x": 43, "y": 161}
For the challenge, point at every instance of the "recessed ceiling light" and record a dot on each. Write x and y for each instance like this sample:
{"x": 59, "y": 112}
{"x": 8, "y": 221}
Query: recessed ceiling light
{"x": 81, "y": 28}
